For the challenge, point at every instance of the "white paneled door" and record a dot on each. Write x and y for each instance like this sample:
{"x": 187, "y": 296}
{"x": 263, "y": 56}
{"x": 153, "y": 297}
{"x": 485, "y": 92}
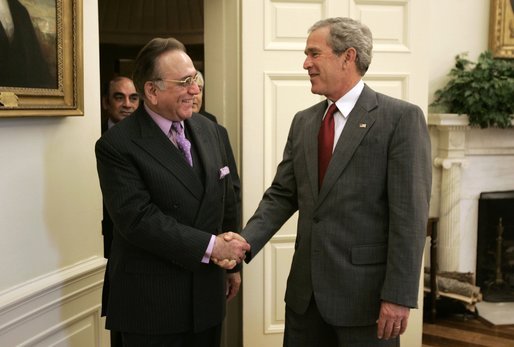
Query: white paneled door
{"x": 275, "y": 87}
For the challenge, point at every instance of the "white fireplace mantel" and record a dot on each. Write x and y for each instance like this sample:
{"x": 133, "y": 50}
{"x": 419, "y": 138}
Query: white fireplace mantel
{"x": 467, "y": 161}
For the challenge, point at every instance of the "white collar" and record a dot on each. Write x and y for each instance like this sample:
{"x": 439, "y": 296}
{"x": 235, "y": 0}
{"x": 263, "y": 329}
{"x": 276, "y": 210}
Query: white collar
{"x": 347, "y": 102}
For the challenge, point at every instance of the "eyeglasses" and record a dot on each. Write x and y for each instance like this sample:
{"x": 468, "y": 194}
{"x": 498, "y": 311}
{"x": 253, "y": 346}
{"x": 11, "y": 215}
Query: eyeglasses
{"x": 188, "y": 82}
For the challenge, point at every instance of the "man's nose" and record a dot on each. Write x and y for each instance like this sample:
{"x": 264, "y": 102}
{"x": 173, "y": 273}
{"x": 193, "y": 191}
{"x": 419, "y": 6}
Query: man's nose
{"x": 127, "y": 102}
{"x": 194, "y": 89}
{"x": 307, "y": 63}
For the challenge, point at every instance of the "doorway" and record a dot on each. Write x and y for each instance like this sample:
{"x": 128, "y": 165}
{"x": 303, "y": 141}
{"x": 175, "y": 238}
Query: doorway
{"x": 125, "y": 26}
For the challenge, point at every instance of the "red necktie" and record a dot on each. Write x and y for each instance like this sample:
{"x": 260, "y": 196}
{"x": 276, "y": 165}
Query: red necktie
{"x": 325, "y": 142}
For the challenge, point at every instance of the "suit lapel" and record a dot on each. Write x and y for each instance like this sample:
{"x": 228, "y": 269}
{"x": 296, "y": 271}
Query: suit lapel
{"x": 203, "y": 145}
{"x": 311, "y": 144}
{"x": 359, "y": 121}
{"x": 206, "y": 147}
{"x": 157, "y": 145}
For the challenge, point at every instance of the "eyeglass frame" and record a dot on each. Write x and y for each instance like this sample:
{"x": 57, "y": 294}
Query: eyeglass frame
{"x": 185, "y": 83}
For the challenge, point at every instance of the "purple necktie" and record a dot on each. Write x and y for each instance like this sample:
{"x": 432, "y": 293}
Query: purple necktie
{"x": 183, "y": 144}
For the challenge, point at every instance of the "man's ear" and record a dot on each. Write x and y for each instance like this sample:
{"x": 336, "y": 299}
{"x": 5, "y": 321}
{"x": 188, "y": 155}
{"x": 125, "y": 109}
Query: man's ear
{"x": 151, "y": 92}
{"x": 350, "y": 55}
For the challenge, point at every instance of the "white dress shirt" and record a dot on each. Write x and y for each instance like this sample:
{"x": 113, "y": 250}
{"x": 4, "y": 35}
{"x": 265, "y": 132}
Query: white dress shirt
{"x": 345, "y": 105}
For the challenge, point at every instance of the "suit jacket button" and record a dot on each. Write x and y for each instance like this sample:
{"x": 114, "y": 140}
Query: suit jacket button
{"x": 316, "y": 220}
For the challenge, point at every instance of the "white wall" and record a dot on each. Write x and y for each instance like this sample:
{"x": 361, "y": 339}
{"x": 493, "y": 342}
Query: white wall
{"x": 456, "y": 26}
{"x": 50, "y": 209}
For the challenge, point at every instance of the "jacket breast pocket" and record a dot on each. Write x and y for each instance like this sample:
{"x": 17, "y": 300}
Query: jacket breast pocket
{"x": 369, "y": 254}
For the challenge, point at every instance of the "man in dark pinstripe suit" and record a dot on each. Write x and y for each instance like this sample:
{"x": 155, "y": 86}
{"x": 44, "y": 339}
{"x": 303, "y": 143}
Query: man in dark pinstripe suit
{"x": 169, "y": 208}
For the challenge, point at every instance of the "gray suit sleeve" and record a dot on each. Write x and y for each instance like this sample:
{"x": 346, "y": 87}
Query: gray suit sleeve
{"x": 409, "y": 178}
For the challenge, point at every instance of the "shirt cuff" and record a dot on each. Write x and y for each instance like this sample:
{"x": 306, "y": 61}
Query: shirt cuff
{"x": 207, "y": 257}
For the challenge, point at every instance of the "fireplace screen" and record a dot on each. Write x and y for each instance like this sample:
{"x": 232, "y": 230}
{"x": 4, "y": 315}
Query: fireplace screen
{"x": 495, "y": 251}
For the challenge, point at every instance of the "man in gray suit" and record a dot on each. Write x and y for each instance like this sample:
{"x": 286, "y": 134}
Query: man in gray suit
{"x": 361, "y": 229}
{"x": 167, "y": 187}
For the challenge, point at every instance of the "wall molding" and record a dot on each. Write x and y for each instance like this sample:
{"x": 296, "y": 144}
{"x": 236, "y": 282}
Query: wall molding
{"x": 46, "y": 307}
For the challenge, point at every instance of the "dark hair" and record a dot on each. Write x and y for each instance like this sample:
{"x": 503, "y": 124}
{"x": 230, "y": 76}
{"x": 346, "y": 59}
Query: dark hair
{"x": 348, "y": 33}
{"x": 146, "y": 68}
{"x": 106, "y": 86}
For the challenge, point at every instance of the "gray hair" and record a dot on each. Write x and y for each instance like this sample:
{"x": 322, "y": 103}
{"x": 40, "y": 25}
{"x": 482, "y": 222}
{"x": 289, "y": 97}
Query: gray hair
{"x": 146, "y": 67}
{"x": 348, "y": 33}
{"x": 201, "y": 81}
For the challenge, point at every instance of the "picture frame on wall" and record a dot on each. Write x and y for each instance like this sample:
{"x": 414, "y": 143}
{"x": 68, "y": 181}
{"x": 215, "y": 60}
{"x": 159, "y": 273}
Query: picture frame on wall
{"x": 41, "y": 64}
{"x": 501, "y": 28}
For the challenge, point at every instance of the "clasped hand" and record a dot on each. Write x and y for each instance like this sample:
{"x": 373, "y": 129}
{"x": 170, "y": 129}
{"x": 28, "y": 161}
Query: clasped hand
{"x": 229, "y": 250}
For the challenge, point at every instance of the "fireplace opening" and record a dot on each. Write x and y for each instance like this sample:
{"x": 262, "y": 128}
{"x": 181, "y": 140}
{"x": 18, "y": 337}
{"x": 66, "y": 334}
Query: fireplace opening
{"x": 495, "y": 249}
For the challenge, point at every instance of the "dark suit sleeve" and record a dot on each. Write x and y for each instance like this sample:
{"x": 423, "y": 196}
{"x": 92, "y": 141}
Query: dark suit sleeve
{"x": 409, "y": 178}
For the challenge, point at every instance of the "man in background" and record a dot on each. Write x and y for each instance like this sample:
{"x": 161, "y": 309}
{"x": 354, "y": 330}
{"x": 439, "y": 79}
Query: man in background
{"x": 199, "y": 107}
{"x": 119, "y": 100}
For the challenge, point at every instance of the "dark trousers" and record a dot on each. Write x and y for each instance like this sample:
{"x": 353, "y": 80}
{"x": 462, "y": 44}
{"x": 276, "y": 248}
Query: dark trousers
{"x": 310, "y": 330}
{"x": 116, "y": 339}
{"x": 207, "y": 338}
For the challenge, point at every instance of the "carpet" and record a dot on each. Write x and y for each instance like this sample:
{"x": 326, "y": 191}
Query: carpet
{"x": 496, "y": 313}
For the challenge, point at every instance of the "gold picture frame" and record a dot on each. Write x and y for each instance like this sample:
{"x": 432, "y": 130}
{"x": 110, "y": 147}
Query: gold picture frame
{"x": 501, "y": 28}
{"x": 58, "y": 28}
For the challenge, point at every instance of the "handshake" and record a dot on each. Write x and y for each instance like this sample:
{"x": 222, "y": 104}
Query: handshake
{"x": 229, "y": 249}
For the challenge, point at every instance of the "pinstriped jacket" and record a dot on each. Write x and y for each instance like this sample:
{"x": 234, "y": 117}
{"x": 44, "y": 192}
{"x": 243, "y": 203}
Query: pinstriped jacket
{"x": 164, "y": 213}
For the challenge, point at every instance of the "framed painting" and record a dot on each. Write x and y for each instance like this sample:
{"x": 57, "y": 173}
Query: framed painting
{"x": 501, "y": 28}
{"x": 41, "y": 66}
